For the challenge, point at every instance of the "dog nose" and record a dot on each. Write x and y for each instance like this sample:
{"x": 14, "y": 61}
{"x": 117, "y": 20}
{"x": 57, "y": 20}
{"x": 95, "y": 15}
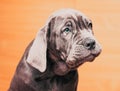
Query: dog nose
{"x": 89, "y": 44}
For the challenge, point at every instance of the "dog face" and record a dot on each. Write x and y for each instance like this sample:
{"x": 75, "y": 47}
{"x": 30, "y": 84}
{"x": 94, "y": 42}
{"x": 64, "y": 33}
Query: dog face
{"x": 72, "y": 38}
{"x": 69, "y": 40}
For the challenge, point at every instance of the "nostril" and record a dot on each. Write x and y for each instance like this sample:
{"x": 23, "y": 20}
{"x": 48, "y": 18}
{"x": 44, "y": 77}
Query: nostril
{"x": 90, "y": 44}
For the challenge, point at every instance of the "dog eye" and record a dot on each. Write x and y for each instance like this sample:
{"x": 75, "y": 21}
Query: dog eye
{"x": 66, "y": 31}
{"x": 90, "y": 25}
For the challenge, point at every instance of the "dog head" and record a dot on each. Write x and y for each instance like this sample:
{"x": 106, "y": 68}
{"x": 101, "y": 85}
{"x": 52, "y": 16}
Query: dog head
{"x": 69, "y": 39}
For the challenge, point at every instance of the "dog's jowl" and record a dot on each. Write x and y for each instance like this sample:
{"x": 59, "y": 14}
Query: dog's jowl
{"x": 50, "y": 61}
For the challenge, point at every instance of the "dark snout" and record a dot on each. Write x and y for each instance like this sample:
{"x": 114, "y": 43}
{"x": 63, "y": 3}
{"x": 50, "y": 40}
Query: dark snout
{"x": 89, "y": 44}
{"x": 86, "y": 50}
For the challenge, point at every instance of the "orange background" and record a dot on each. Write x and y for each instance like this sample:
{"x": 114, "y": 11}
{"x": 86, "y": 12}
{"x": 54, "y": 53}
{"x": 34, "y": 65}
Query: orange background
{"x": 21, "y": 19}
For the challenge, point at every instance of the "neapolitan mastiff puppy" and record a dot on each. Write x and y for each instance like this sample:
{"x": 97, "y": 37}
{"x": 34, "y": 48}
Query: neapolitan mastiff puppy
{"x": 51, "y": 60}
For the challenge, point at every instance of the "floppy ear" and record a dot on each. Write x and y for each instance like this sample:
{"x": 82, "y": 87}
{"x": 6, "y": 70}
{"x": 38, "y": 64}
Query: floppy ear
{"x": 37, "y": 53}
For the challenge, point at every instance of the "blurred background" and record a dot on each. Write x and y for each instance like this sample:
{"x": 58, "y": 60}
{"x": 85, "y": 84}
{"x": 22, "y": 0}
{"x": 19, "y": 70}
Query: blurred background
{"x": 21, "y": 19}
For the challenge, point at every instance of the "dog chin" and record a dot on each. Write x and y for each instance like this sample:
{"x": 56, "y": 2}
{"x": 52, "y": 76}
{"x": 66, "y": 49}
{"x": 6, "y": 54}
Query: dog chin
{"x": 78, "y": 63}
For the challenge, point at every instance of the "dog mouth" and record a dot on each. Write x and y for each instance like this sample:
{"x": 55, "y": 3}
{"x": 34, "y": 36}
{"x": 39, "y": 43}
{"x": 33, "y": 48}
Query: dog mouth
{"x": 75, "y": 59}
{"x": 74, "y": 64}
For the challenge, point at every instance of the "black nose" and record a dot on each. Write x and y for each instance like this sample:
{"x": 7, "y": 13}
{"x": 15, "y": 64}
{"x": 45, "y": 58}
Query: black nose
{"x": 89, "y": 43}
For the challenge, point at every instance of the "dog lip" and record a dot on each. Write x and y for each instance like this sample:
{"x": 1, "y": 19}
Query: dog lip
{"x": 96, "y": 54}
{"x": 75, "y": 64}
